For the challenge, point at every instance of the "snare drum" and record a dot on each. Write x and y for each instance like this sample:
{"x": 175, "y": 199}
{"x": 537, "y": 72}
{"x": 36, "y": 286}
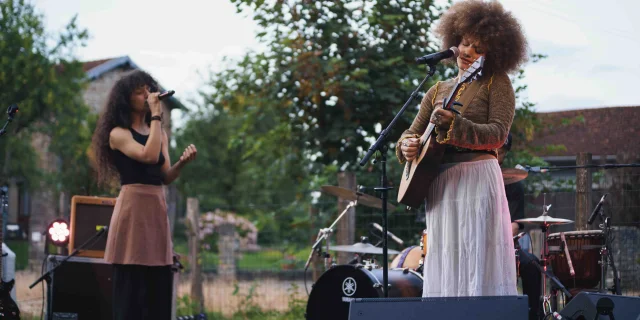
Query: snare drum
{"x": 412, "y": 257}
{"x": 584, "y": 250}
{"x": 331, "y": 294}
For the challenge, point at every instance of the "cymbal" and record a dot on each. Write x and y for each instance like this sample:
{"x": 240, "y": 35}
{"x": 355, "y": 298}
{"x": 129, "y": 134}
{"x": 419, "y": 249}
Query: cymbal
{"x": 362, "y": 248}
{"x": 352, "y": 195}
{"x": 544, "y": 220}
{"x": 512, "y": 175}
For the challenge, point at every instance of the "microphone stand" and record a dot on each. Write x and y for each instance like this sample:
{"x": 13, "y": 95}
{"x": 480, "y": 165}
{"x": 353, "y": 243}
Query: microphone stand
{"x": 48, "y": 276}
{"x": 381, "y": 146}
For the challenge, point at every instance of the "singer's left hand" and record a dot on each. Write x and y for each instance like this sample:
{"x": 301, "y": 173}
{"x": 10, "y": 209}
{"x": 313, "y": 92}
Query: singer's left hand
{"x": 442, "y": 118}
{"x": 189, "y": 154}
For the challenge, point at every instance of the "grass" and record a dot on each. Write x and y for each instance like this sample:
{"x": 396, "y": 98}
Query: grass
{"x": 265, "y": 259}
{"x": 21, "y": 249}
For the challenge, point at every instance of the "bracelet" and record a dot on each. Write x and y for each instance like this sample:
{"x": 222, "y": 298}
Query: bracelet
{"x": 159, "y": 118}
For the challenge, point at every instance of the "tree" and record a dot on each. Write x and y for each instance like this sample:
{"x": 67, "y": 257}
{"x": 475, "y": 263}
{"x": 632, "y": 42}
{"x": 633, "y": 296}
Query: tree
{"x": 342, "y": 69}
{"x": 38, "y": 72}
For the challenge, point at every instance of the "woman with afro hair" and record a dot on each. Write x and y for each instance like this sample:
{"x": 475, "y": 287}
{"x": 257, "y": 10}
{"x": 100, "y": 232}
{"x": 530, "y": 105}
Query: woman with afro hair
{"x": 471, "y": 250}
{"x": 129, "y": 144}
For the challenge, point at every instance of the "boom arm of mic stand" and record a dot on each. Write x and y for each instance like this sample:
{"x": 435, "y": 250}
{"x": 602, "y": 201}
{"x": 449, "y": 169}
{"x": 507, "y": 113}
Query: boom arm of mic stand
{"x": 383, "y": 135}
{"x": 75, "y": 252}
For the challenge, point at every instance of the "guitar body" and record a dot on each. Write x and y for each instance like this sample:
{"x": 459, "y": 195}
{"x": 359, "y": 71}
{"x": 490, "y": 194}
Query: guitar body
{"x": 419, "y": 174}
{"x": 8, "y": 308}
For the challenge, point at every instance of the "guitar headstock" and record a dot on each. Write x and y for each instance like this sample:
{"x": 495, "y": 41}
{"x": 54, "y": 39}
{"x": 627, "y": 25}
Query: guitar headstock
{"x": 474, "y": 71}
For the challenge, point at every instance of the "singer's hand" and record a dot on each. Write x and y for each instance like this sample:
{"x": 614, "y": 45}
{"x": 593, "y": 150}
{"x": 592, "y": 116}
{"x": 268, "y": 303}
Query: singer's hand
{"x": 442, "y": 118}
{"x": 409, "y": 148}
{"x": 189, "y": 154}
{"x": 154, "y": 104}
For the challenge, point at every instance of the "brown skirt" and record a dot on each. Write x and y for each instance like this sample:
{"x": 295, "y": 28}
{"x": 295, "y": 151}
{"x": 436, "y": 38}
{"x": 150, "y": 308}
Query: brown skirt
{"x": 139, "y": 230}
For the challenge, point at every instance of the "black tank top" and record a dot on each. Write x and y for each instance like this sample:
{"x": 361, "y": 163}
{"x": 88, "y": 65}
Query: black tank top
{"x": 132, "y": 171}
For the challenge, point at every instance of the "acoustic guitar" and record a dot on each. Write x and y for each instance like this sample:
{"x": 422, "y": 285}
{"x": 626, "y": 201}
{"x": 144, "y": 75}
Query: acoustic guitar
{"x": 420, "y": 173}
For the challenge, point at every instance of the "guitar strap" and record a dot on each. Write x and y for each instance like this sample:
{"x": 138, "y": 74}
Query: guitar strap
{"x": 468, "y": 94}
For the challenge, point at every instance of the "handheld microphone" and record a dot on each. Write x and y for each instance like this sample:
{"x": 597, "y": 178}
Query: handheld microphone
{"x": 597, "y": 208}
{"x": 393, "y": 236}
{"x": 434, "y": 58}
{"x": 166, "y": 94}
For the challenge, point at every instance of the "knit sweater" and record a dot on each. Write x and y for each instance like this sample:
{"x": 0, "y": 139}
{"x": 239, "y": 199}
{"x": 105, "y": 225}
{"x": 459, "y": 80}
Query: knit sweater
{"x": 485, "y": 123}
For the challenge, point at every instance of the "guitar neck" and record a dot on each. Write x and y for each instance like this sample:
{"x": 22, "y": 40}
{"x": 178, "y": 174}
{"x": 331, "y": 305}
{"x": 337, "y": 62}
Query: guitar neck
{"x": 446, "y": 105}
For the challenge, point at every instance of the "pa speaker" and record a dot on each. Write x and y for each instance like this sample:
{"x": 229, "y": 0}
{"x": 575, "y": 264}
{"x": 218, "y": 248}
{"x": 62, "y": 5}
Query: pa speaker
{"x": 81, "y": 288}
{"x": 451, "y": 308}
{"x": 586, "y": 305}
{"x": 88, "y": 216}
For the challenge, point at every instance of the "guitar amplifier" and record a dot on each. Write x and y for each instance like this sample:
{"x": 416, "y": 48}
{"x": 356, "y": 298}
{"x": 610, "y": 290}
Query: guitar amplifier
{"x": 81, "y": 288}
{"x": 88, "y": 216}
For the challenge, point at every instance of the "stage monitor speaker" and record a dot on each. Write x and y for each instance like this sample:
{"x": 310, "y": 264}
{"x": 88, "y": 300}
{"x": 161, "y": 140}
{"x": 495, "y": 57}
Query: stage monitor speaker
{"x": 585, "y": 305}
{"x": 81, "y": 288}
{"x": 88, "y": 215}
{"x": 451, "y": 308}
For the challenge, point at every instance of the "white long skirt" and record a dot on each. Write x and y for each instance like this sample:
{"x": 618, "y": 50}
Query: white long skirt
{"x": 470, "y": 248}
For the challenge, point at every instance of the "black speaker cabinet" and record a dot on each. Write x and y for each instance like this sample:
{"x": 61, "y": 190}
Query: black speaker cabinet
{"x": 82, "y": 288}
{"x": 586, "y": 304}
{"x": 452, "y": 308}
{"x": 88, "y": 215}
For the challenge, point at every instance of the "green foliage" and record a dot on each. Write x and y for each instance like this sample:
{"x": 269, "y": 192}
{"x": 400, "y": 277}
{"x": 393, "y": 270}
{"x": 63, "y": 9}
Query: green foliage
{"x": 39, "y": 72}
{"x": 339, "y": 70}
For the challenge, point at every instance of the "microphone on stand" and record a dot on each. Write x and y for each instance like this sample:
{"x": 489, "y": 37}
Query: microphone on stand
{"x": 393, "y": 236}
{"x": 596, "y": 209}
{"x": 531, "y": 169}
{"x": 434, "y": 58}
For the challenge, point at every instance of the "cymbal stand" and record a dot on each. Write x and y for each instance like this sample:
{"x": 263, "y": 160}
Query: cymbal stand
{"x": 544, "y": 259}
{"x": 323, "y": 235}
{"x": 606, "y": 256}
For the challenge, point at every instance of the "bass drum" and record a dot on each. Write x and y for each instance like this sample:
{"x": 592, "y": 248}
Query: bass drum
{"x": 330, "y": 296}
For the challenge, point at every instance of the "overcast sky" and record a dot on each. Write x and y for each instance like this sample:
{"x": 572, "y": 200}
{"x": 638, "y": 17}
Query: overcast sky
{"x": 593, "y": 46}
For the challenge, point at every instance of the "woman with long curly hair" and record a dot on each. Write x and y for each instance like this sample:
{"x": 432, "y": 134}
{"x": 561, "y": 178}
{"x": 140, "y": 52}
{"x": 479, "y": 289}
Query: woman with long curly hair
{"x": 129, "y": 143}
{"x": 471, "y": 251}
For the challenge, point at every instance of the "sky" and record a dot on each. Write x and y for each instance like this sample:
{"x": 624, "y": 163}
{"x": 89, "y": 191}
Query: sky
{"x": 592, "y": 46}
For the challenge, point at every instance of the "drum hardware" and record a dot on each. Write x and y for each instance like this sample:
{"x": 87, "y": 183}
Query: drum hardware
{"x": 363, "y": 247}
{"x": 544, "y": 222}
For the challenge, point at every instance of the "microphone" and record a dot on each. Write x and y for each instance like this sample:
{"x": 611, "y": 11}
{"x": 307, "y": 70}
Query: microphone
{"x": 597, "y": 208}
{"x": 166, "y": 94}
{"x": 434, "y": 58}
{"x": 393, "y": 236}
{"x": 531, "y": 169}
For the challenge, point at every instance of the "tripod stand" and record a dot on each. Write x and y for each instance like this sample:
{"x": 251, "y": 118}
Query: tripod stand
{"x": 606, "y": 255}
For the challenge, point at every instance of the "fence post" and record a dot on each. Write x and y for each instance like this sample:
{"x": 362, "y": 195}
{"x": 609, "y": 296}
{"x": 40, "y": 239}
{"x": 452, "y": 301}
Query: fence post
{"x": 316, "y": 262}
{"x": 346, "y": 228}
{"x": 193, "y": 229}
{"x": 583, "y": 191}
{"x": 227, "y": 251}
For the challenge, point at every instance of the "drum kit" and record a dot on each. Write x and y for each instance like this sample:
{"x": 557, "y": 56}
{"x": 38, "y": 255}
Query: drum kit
{"x": 362, "y": 277}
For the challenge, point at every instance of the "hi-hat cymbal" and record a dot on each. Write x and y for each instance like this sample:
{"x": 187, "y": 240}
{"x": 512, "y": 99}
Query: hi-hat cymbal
{"x": 352, "y": 195}
{"x": 544, "y": 220}
{"x": 362, "y": 248}
{"x": 512, "y": 175}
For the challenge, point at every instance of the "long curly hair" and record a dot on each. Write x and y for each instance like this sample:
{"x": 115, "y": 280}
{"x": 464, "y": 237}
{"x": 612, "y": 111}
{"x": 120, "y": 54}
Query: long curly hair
{"x": 117, "y": 113}
{"x": 496, "y": 29}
